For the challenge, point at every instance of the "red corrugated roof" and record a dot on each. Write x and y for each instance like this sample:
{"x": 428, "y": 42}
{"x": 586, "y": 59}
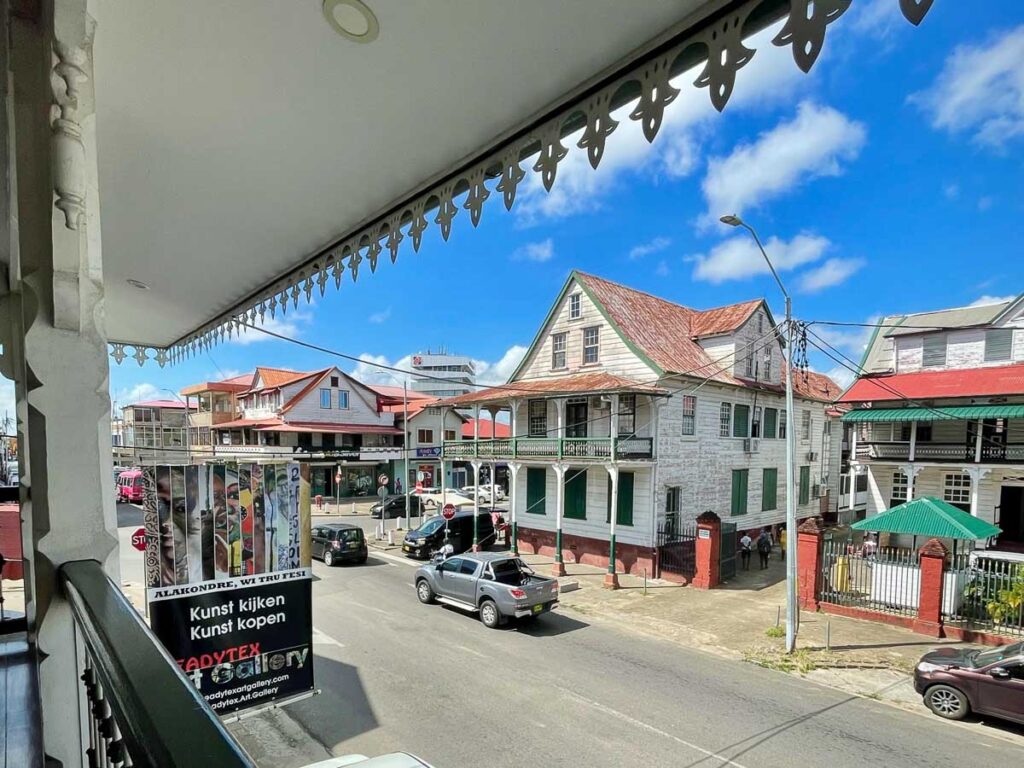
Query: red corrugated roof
{"x": 235, "y": 384}
{"x": 932, "y": 385}
{"x": 335, "y": 428}
{"x": 273, "y": 378}
{"x": 487, "y": 429}
{"x": 815, "y": 386}
{"x": 666, "y": 332}
{"x": 396, "y": 393}
{"x": 158, "y": 404}
{"x": 580, "y": 384}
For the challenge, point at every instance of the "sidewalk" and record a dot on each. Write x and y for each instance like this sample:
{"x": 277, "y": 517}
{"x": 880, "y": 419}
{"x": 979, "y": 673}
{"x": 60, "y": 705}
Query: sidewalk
{"x": 865, "y": 658}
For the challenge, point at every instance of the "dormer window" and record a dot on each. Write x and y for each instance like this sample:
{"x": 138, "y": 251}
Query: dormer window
{"x": 934, "y": 352}
{"x": 575, "y": 308}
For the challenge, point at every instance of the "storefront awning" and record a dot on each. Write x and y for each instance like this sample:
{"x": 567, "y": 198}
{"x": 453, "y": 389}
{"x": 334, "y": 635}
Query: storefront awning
{"x": 937, "y": 413}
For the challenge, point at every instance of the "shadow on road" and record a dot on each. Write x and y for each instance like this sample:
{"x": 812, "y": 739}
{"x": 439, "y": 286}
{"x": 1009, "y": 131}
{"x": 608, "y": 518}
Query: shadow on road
{"x": 548, "y": 625}
{"x": 342, "y": 711}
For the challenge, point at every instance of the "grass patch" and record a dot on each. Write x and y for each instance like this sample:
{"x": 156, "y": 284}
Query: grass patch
{"x": 799, "y": 661}
{"x": 778, "y": 631}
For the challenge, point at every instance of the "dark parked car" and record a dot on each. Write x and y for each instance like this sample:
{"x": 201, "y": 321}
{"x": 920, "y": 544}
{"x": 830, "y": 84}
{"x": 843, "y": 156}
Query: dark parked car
{"x": 957, "y": 681}
{"x": 430, "y": 537}
{"x": 394, "y": 506}
{"x": 339, "y": 543}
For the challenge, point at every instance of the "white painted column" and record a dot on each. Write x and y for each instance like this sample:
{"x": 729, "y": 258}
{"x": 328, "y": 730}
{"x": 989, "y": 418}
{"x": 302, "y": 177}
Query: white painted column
{"x": 913, "y": 441}
{"x": 977, "y": 474}
{"x": 613, "y": 427}
{"x": 560, "y": 469}
{"x": 611, "y": 579}
{"x": 55, "y": 345}
{"x": 977, "y": 441}
{"x": 513, "y": 468}
{"x": 476, "y": 503}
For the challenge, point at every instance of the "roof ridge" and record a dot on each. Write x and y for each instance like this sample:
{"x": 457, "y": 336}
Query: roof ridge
{"x": 590, "y": 276}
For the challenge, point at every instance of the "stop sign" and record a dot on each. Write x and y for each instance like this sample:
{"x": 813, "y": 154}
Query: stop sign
{"x": 139, "y": 539}
{"x": 448, "y": 512}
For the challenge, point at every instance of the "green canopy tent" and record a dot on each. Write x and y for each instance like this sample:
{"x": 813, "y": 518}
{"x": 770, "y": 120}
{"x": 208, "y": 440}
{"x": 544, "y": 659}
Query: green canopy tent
{"x": 931, "y": 517}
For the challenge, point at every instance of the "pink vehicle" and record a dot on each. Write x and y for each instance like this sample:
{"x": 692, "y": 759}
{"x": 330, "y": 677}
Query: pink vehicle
{"x": 129, "y": 486}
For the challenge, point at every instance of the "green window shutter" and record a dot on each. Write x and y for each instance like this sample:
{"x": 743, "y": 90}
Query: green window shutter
{"x": 770, "y": 490}
{"x": 741, "y": 421}
{"x": 625, "y": 510}
{"x": 771, "y": 417}
{"x": 576, "y": 494}
{"x": 805, "y": 485}
{"x": 739, "y": 491}
{"x": 536, "y": 489}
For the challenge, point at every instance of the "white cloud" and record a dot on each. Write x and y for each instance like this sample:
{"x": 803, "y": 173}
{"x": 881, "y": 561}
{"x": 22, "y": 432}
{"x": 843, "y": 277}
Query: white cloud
{"x": 877, "y": 18}
{"x": 676, "y": 153}
{"x": 841, "y": 376}
{"x": 982, "y": 301}
{"x": 286, "y": 324}
{"x": 491, "y": 374}
{"x": 380, "y": 317}
{"x": 850, "y": 340}
{"x": 540, "y": 252}
{"x": 831, "y": 273}
{"x": 656, "y": 245}
{"x": 138, "y": 393}
{"x": 980, "y": 90}
{"x": 738, "y": 257}
{"x": 816, "y": 143}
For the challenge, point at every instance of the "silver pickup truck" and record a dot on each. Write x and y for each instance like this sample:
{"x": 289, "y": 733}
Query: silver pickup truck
{"x": 499, "y": 586}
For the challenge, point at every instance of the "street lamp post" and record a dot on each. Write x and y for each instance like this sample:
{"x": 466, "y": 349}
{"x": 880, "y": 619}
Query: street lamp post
{"x": 787, "y": 356}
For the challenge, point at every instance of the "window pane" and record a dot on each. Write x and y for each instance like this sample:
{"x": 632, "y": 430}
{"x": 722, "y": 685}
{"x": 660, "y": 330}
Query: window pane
{"x": 536, "y": 489}
{"x": 538, "y": 418}
{"x": 740, "y": 422}
{"x": 627, "y": 414}
{"x": 590, "y": 345}
{"x": 782, "y": 424}
{"x": 769, "y": 491}
{"x": 934, "y": 353}
{"x": 689, "y": 415}
{"x": 574, "y": 306}
{"x": 558, "y": 350}
{"x": 325, "y": 398}
{"x": 739, "y": 491}
{"x": 725, "y": 419}
{"x": 343, "y": 399}
{"x": 771, "y": 416}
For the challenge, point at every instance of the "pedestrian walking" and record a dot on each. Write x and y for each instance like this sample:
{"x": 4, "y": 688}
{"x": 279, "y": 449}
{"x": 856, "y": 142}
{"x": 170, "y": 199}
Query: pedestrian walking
{"x": 746, "y": 547}
{"x": 782, "y": 544}
{"x": 764, "y": 547}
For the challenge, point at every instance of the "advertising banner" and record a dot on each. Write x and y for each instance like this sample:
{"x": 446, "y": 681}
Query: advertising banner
{"x": 227, "y": 569}
{"x": 242, "y": 642}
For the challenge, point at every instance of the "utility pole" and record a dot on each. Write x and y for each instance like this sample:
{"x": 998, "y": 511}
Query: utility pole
{"x": 405, "y": 451}
{"x": 787, "y": 357}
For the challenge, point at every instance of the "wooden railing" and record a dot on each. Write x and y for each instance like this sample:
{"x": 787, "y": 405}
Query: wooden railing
{"x": 569, "y": 448}
{"x": 958, "y": 452}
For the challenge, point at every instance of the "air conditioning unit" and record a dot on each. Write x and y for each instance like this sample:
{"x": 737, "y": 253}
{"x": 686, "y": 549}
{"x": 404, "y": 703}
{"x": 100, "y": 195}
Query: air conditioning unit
{"x": 819, "y": 491}
{"x": 751, "y": 445}
{"x": 812, "y": 456}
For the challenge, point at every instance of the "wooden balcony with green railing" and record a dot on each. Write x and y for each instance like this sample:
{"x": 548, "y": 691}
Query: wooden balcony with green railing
{"x": 554, "y": 448}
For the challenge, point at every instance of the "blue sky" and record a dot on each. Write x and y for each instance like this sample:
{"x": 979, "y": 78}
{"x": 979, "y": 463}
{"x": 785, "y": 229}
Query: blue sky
{"x": 888, "y": 180}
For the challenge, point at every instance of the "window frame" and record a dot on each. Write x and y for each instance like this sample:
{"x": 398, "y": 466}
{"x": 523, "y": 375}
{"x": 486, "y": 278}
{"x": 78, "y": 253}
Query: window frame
{"x": 325, "y": 391}
{"x": 559, "y": 340}
{"x": 689, "y": 412}
{"x": 450, "y": 436}
{"x": 595, "y": 346}
{"x": 576, "y": 511}
{"x": 755, "y": 421}
{"x": 783, "y": 424}
{"x": 956, "y": 488}
{"x": 805, "y": 424}
{"x": 428, "y": 440}
{"x": 627, "y": 408}
{"x": 739, "y": 502}
{"x": 767, "y": 472}
{"x": 899, "y": 488}
{"x": 737, "y": 423}
{"x": 345, "y": 393}
{"x": 774, "y": 421}
{"x": 575, "y": 306}
{"x": 804, "y": 485}
{"x": 537, "y": 424}
{"x": 725, "y": 419}
{"x": 534, "y": 508}
{"x": 944, "y": 338}
{"x": 624, "y": 512}
{"x": 1007, "y": 334}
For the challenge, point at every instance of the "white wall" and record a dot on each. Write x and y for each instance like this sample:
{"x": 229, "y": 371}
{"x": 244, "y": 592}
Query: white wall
{"x": 362, "y": 404}
{"x": 613, "y": 355}
{"x": 964, "y": 349}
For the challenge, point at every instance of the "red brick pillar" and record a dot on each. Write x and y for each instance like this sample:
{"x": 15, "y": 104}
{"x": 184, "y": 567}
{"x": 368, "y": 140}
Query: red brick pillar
{"x": 809, "y": 538}
{"x": 929, "y": 606}
{"x": 709, "y": 547}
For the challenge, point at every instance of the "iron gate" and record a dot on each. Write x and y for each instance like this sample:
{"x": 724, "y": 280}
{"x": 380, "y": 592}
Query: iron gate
{"x": 677, "y": 550}
{"x": 727, "y": 552}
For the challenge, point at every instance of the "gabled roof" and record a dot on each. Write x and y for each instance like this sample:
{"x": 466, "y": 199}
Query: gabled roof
{"x": 711, "y": 322}
{"x": 236, "y": 384}
{"x": 933, "y": 385}
{"x": 816, "y": 386}
{"x": 315, "y": 377}
{"x": 957, "y": 317}
{"x": 929, "y": 516}
{"x": 272, "y": 378}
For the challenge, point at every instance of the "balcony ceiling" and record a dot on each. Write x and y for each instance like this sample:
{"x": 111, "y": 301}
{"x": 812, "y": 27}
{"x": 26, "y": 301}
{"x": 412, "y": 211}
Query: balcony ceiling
{"x": 237, "y": 138}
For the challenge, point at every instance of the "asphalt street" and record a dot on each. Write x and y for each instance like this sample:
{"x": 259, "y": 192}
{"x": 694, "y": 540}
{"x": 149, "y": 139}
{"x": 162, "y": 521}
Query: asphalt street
{"x": 398, "y": 675}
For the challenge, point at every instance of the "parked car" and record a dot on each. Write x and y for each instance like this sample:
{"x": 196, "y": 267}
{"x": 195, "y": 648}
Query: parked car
{"x": 957, "y": 681}
{"x": 497, "y": 585}
{"x": 484, "y": 492}
{"x": 130, "y": 486}
{"x": 339, "y": 543}
{"x": 394, "y": 506}
{"x": 430, "y": 537}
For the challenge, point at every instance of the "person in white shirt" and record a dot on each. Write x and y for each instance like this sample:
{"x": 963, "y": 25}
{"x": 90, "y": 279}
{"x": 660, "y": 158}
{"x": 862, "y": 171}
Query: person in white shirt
{"x": 746, "y": 545}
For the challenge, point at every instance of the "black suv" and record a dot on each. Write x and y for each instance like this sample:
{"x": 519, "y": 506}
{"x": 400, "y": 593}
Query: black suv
{"x": 339, "y": 543}
{"x": 430, "y": 536}
{"x": 394, "y": 506}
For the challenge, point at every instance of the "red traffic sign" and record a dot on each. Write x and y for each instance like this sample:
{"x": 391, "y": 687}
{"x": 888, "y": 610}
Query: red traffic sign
{"x": 448, "y": 512}
{"x": 419, "y": 486}
{"x": 139, "y": 539}
{"x": 382, "y": 479}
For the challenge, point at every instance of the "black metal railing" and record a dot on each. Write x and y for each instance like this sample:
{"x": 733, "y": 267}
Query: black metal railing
{"x": 677, "y": 549}
{"x": 886, "y": 579}
{"x": 141, "y": 710}
{"x": 985, "y": 594}
{"x": 959, "y": 452}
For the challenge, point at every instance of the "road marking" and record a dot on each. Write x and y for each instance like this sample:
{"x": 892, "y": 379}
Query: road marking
{"x": 319, "y": 636}
{"x": 368, "y": 607}
{"x": 470, "y": 650}
{"x": 647, "y": 727}
{"x": 392, "y": 558}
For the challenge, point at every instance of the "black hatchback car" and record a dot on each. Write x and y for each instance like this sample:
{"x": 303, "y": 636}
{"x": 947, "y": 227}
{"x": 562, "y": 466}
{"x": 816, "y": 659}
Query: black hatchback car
{"x": 430, "y": 536}
{"x": 394, "y": 506}
{"x": 339, "y": 543}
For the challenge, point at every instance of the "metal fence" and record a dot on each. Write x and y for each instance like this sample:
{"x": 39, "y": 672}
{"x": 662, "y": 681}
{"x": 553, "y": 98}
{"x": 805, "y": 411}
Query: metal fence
{"x": 677, "y": 549}
{"x": 885, "y": 579}
{"x": 984, "y": 594}
{"x": 727, "y": 553}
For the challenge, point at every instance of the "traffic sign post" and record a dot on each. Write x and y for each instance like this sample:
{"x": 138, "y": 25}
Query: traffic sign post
{"x": 337, "y": 491}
